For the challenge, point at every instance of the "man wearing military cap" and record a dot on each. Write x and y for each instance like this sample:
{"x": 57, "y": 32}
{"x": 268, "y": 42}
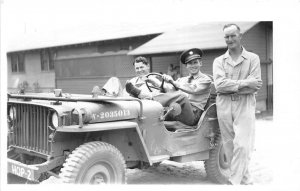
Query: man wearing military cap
{"x": 197, "y": 85}
{"x": 190, "y": 55}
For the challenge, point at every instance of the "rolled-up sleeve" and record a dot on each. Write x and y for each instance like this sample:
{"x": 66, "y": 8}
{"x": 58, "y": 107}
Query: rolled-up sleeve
{"x": 221, "y": 82}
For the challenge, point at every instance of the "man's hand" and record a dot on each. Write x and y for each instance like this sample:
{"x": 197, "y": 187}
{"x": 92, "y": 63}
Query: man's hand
{"x": 144, "y": 78}
{"x": 171, "y": 81}
{"x": 251, "y": 83}
{"x": 151, "y": 81}
{"x": 167, "y": 78}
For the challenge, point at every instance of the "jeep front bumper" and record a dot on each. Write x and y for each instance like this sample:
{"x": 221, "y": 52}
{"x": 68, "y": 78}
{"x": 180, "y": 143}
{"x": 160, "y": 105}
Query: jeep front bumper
{"x": 32, "y": 172}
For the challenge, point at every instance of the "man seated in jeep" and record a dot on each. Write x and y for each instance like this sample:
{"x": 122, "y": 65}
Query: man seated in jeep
{"x": 193, "y": 90}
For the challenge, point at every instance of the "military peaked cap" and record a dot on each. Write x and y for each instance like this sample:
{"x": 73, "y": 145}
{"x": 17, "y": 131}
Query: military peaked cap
{"x": 191, "y": 54}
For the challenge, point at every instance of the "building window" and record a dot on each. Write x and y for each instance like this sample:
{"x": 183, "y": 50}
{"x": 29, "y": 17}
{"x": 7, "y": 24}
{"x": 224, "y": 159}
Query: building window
{"x": 47, "y": 63}
{"x": 17, "y": 62}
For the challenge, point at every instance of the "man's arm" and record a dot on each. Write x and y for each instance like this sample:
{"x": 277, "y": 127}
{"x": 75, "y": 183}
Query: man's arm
{"x": 222, "y": 83}
{"x": 249, "y": 85}
{"x": 253, "y": 82}
{"x": 196, "y": 88}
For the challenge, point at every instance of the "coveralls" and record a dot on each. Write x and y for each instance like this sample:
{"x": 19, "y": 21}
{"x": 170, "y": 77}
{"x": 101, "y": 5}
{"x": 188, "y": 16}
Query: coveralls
{"x": 236, "y": 109}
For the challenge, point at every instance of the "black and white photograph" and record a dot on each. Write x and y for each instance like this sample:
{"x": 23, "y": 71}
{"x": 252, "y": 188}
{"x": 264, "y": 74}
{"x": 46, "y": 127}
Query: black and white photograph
{"x": 144, "y": 94}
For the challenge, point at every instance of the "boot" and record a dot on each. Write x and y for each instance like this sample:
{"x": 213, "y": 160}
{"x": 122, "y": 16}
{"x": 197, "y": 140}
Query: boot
{"x": 132, "y": 90}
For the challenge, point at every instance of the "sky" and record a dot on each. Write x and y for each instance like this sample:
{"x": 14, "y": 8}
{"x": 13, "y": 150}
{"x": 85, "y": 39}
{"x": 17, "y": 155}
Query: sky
{"x": 32, "y": 16}
{"x": 42, "y": 16}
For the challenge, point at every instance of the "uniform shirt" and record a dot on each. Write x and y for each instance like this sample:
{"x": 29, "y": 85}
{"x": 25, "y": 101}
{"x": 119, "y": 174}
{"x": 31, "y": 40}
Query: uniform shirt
{"x": 197, "y": 89}
{"x": 229, "y": 74}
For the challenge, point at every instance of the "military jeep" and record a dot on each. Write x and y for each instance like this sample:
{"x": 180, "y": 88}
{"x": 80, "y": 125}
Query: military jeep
{"x": 85, "y": 139}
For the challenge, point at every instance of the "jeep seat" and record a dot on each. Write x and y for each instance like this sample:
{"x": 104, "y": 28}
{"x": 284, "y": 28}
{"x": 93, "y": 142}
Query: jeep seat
{"x": 174, "y": 126}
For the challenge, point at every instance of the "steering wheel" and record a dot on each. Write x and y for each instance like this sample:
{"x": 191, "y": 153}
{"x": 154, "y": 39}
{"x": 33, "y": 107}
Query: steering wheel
{"x": 161, "y": 87}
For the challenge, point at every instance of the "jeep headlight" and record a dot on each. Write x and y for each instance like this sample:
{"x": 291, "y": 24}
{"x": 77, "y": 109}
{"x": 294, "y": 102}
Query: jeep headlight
{"x": 12, "y": 113}
{"x": 55, "y": 120}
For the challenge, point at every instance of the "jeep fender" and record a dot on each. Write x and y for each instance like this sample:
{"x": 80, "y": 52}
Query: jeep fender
{"x": 107, "y": 127}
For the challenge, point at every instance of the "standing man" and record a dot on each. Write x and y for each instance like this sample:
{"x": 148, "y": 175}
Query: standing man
{"x": 237, "y": 78}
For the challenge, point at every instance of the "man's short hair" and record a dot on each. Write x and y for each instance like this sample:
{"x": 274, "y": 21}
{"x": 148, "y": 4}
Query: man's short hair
{"x": 231, "y": 24}
{"x": 140, "y": 59}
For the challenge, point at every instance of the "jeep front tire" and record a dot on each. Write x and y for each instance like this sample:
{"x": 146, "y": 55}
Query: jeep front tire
{"x": 94, "y": 163}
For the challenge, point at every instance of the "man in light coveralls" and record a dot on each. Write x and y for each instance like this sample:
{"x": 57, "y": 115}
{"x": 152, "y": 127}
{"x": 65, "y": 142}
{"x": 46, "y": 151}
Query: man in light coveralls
{"x": 237, "y": 78}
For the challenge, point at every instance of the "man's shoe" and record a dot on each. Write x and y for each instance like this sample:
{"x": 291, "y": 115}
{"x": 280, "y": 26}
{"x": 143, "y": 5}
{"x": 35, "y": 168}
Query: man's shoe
{"x": 247, "y": 183}
{"x": 132, "y": 90}
{"x": 97, "y": 91}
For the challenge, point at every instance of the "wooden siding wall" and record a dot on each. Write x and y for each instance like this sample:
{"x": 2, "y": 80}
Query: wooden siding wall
{"x": 161, "y": 63}
{"x": 32, "y": 74}
{"x": 262, "y": 93}
{"x": 81, "y": 75}
{"x": 255, "y": 40}
{"x": 79, "y": 69}
{"x": 103, "y": 66}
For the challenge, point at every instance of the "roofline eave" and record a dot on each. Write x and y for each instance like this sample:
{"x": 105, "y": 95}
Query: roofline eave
{"x": 132, "y": 53}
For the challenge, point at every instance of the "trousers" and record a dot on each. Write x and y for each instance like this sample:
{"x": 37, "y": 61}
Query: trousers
{"x": 189, "y": 115}
{"x": 237, "y": 125}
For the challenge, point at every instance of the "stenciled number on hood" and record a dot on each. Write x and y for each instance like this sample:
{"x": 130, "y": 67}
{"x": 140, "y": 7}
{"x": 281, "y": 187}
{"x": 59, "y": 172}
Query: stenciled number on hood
{"x": 112, "y": 114}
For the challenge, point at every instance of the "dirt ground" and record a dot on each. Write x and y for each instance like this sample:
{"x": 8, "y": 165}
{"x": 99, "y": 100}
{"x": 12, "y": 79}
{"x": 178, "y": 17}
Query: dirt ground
{"x": 262, "y": 165}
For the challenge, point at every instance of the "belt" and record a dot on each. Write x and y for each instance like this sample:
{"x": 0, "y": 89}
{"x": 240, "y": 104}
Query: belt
{"x": 234, "y": 96}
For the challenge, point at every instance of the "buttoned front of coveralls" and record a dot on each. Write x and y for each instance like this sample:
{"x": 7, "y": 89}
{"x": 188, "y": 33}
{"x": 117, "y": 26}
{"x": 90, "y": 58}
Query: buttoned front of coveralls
{"x": 236, "y": 114}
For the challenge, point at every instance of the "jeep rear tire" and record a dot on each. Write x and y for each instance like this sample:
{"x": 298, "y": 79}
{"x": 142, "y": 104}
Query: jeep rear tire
{"x": 217, "y": 167}
{"x": 94, "y": 163}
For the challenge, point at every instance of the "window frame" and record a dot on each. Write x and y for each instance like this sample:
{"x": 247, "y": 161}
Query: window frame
{"x": 17, "y": 61}
{"x": 47, "y": 60}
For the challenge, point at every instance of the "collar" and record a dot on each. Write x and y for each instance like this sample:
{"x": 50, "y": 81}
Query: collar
{"x": 197, "y": 76}
{"x": 245, "y": 54}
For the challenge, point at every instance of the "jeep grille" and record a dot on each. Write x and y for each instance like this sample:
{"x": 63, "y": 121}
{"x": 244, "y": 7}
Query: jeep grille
{"x": 30, "y": 128}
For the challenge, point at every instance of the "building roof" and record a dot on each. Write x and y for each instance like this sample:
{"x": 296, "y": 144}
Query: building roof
{"x": 203, "y": 36}
{"x": 86, "y": 34}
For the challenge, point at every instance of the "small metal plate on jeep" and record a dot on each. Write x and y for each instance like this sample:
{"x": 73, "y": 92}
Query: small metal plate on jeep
{"x": 21, "y": 171}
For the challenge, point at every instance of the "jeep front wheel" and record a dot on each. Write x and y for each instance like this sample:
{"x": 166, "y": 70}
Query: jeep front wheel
{"x": 94, "y": 163}
{"x": 217, "y": 166}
